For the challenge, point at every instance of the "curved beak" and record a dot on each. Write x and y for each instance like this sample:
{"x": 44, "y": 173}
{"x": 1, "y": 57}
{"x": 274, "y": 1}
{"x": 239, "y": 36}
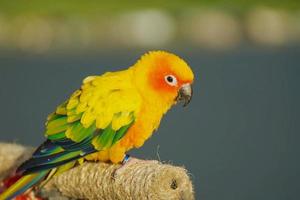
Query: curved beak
{"x": 185, "y": 94}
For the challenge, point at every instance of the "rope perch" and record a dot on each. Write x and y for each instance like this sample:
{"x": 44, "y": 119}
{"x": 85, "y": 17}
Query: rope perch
{"x": 141, "y": 180}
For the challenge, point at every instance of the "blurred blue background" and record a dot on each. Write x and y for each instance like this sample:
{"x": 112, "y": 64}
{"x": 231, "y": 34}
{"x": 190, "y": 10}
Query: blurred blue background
{"x": 239, "y": 136}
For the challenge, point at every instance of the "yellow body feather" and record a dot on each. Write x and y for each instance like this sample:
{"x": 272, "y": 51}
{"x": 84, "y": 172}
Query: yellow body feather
{"x": 115, "y": 96}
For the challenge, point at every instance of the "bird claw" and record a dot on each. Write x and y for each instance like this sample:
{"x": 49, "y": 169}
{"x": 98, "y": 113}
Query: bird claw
{"x": 127, "y": 161}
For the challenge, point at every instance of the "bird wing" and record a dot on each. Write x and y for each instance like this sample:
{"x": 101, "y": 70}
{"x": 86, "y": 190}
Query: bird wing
{"x": 93, "y": 119}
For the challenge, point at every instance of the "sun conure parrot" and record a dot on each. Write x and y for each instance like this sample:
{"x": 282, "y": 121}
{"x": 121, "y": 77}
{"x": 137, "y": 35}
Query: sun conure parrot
{"x": 109, "y": 115}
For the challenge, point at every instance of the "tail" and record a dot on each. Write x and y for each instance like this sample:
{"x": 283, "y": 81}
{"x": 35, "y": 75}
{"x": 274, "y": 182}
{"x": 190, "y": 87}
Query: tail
{"x": 48, "y": 160}
{"x": 23, "y": 184}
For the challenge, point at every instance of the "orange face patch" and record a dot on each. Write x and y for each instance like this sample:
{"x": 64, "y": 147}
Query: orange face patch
{"x": 159, "y": 65}
{"x": 159, "y": 72}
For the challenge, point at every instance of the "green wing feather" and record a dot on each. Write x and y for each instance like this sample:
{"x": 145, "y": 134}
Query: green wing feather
{"x": 69, "y": 141}
{"x": 94, "y": 118}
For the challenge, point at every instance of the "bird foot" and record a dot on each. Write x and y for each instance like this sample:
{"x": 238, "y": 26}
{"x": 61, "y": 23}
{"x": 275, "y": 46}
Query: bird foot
{"x": 127, "y": 161}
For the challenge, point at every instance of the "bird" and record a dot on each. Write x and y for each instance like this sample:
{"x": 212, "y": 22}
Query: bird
{"x": 106, "y": 117}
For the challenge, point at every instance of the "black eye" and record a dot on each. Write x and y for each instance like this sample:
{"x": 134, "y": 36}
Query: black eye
{"x": 171, "y": 80}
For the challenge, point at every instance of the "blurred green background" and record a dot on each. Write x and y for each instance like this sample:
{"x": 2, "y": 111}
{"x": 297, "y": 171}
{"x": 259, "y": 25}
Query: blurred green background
{"x": 49, "y": 26}
{"x": 239, "y": 136}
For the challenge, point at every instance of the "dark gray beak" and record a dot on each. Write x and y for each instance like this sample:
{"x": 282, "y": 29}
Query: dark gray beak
{"x": 185, "y": 94}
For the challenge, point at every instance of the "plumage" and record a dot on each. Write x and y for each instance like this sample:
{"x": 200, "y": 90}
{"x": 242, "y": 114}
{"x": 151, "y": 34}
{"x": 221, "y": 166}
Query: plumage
{"x": 106, "y": 117}
{"x": 22, "y": 185}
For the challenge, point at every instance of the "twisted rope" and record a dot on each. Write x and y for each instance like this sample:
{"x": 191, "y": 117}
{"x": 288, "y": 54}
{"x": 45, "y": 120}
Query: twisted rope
{"x": 141, "y": 180}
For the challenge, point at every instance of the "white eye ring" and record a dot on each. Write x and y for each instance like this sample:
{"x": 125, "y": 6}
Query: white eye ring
{"x": 171, "y": 80}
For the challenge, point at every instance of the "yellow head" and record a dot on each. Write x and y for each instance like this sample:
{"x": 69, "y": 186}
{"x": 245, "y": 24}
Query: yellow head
{"x": 164, "y": 77}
